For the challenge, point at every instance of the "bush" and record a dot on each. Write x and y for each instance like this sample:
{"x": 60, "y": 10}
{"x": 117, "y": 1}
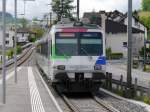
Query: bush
{"x": 147, "y": 99}
{"x": 32, "y": 39}
{"x": 19, "y": 49}
{"x": 39, "y": 32}
{"x": 10, "y": 53}
{"x": 108, "y": 53}
{"x": 116, "y": 55}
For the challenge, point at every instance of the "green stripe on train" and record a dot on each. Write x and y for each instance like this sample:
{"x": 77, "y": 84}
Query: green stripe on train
{"x": 54, "y": 56}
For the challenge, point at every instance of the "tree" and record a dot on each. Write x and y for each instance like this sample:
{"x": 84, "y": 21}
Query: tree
{"x": 19, "y": 49}
{"x": 10, "y": 53}
{"x": 39, "y": 32}
{"x": 146, "y": 5}
{"x": 23, "y": 22}
{"x": 108, "y": 53}
{"x": 62, "y": 8}
{"x": 135, "y": 13}
{"x": 146, "y": 21}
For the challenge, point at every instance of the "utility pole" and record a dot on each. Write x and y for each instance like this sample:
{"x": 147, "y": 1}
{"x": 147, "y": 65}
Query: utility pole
{"x": 47, "y": 21}
{"x": 129, "y": 65}
{"x": 15, "y": 42}
{"x": 50, "y": 14}
{"x": 78, "y": 10}
{"x": 62, "y": 5}
{"x": 3, "y": 50}
{"x": 24, "y": 8}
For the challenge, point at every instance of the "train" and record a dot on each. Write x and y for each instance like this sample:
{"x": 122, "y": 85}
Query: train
{"x": 72, "y": 55}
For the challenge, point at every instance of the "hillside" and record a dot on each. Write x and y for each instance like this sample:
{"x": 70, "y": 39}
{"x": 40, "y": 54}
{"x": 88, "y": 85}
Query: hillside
{"x": 144, "y": 14}
{"x": 9, "y": 17}
{"x": 145, "y": 18}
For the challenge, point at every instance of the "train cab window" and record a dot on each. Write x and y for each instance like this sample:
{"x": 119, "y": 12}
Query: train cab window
{"x": 66, "y": 44}
{"x": 91, "y": 43}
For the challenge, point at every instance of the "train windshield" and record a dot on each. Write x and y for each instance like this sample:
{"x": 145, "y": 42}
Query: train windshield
{"x": 66, "y": 44}
{"x": 81, "y": 44}
{"x": 91, "y": 44}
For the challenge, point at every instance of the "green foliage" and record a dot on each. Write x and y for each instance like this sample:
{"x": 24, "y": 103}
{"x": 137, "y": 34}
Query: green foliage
{"x": 148, "y": 36}
{"x": 23, "y": 22}
{"x": 32, "y": 39}
{"x": 146, "y": 21}
{"x": 10, "y": 53}
{"x": 116, "y": 55}
{"x": 136, "y": 14}
{"x": 39, "y": 32}
{"x": 108, "y": 53}
{"x": 65, "y": 11}
{"x": 147, "y": 99}
{"x": 35, "y": 19}
{"x": 146, "y": 5}
{"x": 19, "y": 49}
{"x": 141, "y": 52}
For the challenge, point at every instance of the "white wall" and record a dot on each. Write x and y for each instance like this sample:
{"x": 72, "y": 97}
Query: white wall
{"x": 22, "y": 37}
{"x": 137, "y": 43}
{"x": 9, "y": 38}
{"x": 115, "y": 42}
{"x": 138, "y": 26}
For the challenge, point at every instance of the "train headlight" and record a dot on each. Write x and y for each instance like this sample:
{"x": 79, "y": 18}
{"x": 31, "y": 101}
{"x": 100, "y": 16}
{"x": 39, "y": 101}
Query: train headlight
{"x": 61, "y": 67}
{"x": 98, "y": 67}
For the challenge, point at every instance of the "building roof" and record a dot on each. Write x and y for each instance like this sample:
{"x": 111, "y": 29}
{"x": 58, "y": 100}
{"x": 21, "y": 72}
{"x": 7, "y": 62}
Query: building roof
{"x": 114, "y": 21}
{"x": 115, "y": 27}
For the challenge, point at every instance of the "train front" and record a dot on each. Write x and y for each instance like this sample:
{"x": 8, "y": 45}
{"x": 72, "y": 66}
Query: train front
{"x": 79, "y": 60}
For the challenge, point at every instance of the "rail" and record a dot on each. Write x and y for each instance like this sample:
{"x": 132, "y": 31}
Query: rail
{"x": 11, "y": 62}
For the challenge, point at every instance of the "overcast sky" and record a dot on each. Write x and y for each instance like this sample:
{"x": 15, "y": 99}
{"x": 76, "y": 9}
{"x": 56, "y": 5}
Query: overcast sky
{"x": 39, "y": 7}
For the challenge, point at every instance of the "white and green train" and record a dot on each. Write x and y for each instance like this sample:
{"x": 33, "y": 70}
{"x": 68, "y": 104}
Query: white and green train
{"x": 73, "y": 56}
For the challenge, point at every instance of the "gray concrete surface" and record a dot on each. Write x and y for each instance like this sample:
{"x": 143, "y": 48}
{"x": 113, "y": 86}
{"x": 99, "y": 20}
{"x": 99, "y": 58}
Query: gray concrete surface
{"x": 19, "y": 97}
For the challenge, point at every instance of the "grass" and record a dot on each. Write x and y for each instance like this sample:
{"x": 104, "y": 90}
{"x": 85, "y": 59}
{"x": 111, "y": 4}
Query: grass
{"x": 149, "y": 35}
{"x": 144, "y": 14}
{"x": 145, "y": 99}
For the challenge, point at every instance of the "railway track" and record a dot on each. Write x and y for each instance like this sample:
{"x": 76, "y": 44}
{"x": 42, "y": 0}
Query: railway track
{"x": 78, "y": 104}
{"x": 20, "y": 60}
{"x": 98, "y": 102}
{"x": 87, "y": 104}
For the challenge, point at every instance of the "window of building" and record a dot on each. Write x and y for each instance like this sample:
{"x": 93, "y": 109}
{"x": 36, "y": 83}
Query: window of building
{"x": 125, "y": 44}
{"x": 7, "y": 34}
{"x": 136, "y": 22}
{"x": 13, "y": 38}
{"x": 7, "y": 42}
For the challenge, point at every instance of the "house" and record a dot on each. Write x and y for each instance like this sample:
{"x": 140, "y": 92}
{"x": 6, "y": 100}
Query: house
{"x": 23, "y": 35}
{"x": 9, "y": 37}
{"x": 7, "y": 48}
{"x": 114, "y": 25}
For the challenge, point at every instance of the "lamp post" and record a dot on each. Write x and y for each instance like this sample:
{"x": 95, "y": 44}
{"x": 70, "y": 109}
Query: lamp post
{"x": 15, "y": 38}
{"x": 15, "y": 42}
{"x": 78, "y": 10}
{"x": 129, "y": 65}
{"x": 50, "y": 15}
{"x": 3, "y": 50}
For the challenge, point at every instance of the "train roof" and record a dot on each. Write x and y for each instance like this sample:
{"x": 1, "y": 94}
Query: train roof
{"x": 76, "y": 25}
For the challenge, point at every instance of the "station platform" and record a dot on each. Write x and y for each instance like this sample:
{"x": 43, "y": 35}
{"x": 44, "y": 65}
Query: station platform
{"x": 29, "y": 94}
